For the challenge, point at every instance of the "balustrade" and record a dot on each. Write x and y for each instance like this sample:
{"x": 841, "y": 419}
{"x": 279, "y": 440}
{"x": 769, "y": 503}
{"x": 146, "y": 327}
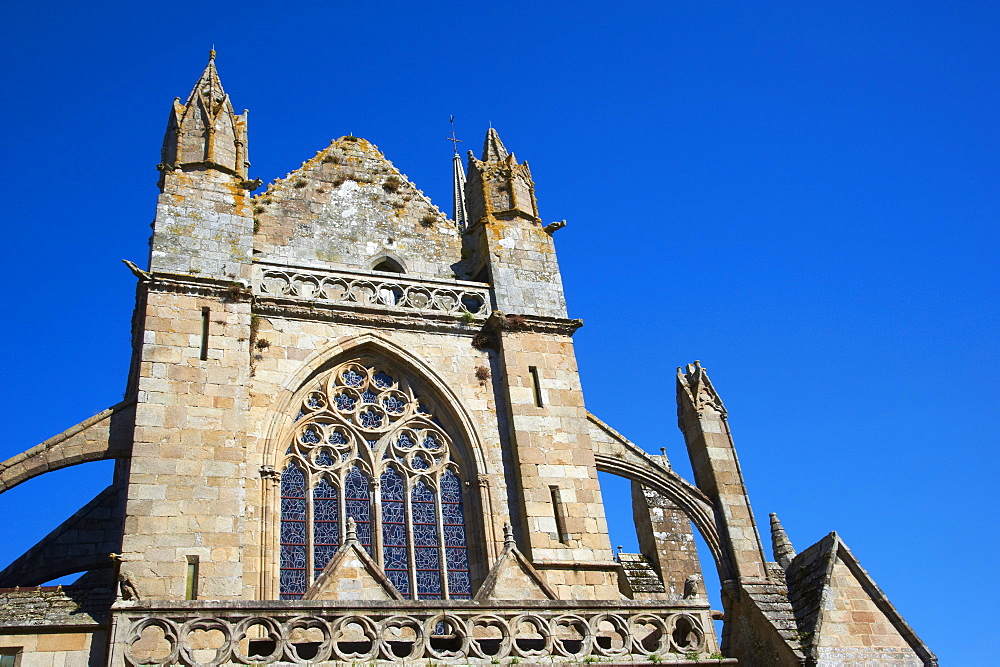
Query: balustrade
{"x": 458, "y": 632}
{"x": 376, "y": 291}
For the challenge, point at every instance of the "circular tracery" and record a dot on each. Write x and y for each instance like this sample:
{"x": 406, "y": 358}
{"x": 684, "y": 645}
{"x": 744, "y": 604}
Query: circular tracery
{"x": 365, "y": 436}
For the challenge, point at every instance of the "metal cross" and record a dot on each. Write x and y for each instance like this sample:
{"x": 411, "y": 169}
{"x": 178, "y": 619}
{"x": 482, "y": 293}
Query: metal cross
{"x": 455, "y": 142}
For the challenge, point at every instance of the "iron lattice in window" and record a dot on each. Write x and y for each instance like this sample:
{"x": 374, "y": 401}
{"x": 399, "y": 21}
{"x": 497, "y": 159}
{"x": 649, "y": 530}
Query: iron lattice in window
{"x": 364, "y": 446}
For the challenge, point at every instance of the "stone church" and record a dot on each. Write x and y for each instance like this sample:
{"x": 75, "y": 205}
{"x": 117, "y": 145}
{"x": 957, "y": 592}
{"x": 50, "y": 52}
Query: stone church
{"x": 354, "y": 432}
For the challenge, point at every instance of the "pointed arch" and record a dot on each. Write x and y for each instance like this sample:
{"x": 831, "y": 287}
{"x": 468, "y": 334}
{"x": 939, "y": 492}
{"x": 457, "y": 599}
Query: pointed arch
{"x": 280, "y": 416}
{"x": 388, "y": 264}
{"x": 356, "y": 411}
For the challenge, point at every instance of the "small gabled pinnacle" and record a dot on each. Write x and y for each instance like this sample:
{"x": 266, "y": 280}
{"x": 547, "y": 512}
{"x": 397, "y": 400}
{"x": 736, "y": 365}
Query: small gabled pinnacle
{"x": 508, "y": 536}
{"x": 493, "y": 148}
{"x": 782, "y": 546}
{"x": 352, "y": 530}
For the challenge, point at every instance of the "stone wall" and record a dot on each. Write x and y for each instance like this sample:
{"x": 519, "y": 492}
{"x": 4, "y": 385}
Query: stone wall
{"x": 665, "y": 538}
{"x": 203, "y": 226}
{"x": 186, "y": 493}
{"x": 349, "y": 207}
{"x": 55, "y": 626}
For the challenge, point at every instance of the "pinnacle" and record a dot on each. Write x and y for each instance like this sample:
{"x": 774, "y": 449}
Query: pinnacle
{"x": 784, "y": 552}
{"x": 493, "y": 148}
{"x": 208, "y": 87}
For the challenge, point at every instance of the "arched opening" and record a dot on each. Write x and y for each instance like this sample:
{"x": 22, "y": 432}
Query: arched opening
{"x": 370, "y": 442}
{"x": 48, "y": 551}
{"x": 654, "y": 540}
{"x": 389, "y": 265}
{"x": 653, "y": 536}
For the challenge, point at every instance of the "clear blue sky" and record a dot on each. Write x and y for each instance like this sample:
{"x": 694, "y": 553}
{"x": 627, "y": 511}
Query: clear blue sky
{"x": 804, "y": 196}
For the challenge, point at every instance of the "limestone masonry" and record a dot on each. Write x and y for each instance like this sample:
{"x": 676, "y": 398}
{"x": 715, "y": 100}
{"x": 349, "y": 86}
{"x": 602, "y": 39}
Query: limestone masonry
{"x": 354, "y": 432}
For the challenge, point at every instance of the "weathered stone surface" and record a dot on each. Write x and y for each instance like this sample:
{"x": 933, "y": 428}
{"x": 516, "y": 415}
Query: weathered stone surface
{"x": 665, "y": 538}
{"x": 843, "y": 617}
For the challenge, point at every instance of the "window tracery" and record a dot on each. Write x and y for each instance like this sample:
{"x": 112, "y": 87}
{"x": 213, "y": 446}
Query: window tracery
{"x": 366, "y": 447}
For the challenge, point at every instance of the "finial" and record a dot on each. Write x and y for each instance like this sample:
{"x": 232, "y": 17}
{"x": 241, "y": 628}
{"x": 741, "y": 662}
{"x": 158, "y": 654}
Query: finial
{"x": 352, "y": 530}
{"x": 211, "y": 54}
{"x": 508, "y": 535}
{"x": 780, "y": 544}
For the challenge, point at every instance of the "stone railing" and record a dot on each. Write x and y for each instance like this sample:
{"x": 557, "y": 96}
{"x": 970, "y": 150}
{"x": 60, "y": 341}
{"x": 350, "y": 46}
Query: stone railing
{"x": 382, "y": 291}
{"x": 463, "y": 632}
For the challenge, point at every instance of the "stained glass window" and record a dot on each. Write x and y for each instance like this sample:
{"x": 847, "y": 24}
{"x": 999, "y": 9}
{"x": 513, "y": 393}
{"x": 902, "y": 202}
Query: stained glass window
{"x": 371, "y": 419}
{"x": 427, "y": 549}
{"x": 352, "y": 418}
{"x": 293, "y": 533}
{"x": 456, "y": 550}
{"x": 326, "y": 527}
{"x": 352, "y": 378}
{"x": 394, "y": 538}
{"x": 344, "y": 402}
{"x": 359, "y": 505}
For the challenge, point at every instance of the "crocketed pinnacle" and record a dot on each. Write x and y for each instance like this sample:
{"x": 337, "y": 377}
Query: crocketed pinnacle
{"x": 493, "y": 148}
{"x": 782, "y": 546}
{"x": 205, "y": 130}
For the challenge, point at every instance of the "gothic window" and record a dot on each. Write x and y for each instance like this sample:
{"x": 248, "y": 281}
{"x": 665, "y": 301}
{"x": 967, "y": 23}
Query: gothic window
{"x": 366, "y": 447}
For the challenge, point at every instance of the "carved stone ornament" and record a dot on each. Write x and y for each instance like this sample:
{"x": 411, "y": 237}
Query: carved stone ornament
{"x": 553, "y": 227}
{"x": 126, "y": 587}
{"x": 701, "y": 397}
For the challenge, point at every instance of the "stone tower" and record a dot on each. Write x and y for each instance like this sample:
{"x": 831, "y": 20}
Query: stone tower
{"x": 354, "y": 431}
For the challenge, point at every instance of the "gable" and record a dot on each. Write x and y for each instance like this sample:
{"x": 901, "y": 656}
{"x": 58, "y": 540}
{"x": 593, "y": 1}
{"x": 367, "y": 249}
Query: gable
{"x": 843, "y": 614}
{"x": 513, "y": 578}
{"x": 350, "y": 206}
{"x": 850, "y": 619}
{"x": 352, "y": 575}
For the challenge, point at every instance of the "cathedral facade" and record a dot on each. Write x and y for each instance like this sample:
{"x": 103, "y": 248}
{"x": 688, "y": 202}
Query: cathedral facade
{"x": 354, "y": 431}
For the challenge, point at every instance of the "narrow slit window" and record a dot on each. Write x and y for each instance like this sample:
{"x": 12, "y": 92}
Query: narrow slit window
{"x": 205, "y": 315}
{"x": 191, "y": 581}
{"x": 557, "y": 510}
{"x": 537, "y": 385}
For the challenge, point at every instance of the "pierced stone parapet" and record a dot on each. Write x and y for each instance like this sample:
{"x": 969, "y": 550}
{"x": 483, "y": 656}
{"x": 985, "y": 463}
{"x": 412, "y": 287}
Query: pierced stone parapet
{"x": 376, "y": 290}
{"x": 462, "y": 632}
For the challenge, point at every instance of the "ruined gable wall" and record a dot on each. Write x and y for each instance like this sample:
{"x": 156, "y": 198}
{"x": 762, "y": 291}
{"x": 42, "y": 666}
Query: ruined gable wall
{"x": 348, "y": 206}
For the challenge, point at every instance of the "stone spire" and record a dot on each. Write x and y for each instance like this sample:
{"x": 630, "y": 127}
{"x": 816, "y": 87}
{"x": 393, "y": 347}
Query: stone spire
{"x": 458, "y": 191}
{"x": 782, "y": 546}
{"x": 493, "y": 148}
{"x": 205, "y": 132}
